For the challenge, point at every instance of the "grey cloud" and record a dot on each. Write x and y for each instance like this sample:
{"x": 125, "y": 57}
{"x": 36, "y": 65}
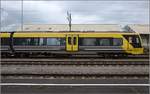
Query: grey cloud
{"x": 92, "y": 12}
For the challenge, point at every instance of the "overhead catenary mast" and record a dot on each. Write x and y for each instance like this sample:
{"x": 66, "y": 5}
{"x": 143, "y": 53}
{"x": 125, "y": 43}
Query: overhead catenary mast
{"x": 69, "y": 20}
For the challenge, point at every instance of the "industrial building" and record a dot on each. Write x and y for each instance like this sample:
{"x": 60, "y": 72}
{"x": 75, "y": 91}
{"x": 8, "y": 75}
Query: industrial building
{"x": 74, "y": 27}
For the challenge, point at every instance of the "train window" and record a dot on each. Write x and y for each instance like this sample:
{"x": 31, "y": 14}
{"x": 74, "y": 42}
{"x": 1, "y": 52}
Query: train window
{"x": 74, "y": 40}
{"x": 26, "y": 41}
{"x": 62, "y": 41}
{"x": 133, "y": 39}
{"x": 39, "y": 41}
{"x": 55, "y": 41}
{"x": 80, "y": 42}
{"x": 33, "y": 41}
{"x": 136, "y": 42}
{"x": 117, "y": 42}
{"x": 52, "y": 41}
{"x": 95, "y": 41}
{"x": 4, "y": 41}
{"x": 130, "y": 40}
{"x": 69, "y": 40}
{"x": 20, "y": 41}
{"x": 88, "y": 42}
{"x": 105, "y": 42}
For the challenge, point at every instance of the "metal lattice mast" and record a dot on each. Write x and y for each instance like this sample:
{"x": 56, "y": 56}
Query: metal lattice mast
{"x": 69, "y": 20}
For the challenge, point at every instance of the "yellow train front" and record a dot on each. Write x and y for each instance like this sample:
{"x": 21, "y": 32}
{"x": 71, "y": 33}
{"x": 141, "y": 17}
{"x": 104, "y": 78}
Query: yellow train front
{"x": 50, "y": 43}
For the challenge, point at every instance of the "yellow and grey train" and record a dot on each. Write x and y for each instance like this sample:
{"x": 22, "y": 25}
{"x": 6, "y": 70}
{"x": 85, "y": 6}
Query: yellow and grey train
{"x": 49, "y": 43}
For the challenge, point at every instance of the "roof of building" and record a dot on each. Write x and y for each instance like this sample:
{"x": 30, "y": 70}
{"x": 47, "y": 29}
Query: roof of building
{"x": 74, "y": 27}
{"x": 131, "y": 28}
{"x": 140, "y": 28}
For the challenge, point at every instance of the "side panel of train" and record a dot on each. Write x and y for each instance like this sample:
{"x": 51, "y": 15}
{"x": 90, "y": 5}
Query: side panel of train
{"x": 71, "y": 43}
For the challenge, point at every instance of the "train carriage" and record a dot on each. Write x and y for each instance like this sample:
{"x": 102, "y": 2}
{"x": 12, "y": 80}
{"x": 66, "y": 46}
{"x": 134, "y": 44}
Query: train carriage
{"x": 101, "y": 43}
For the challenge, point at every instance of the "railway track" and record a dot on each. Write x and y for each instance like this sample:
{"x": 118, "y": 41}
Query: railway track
{"x": 75, "y": 62}
{"x": 30, "y": 76}
{"x": 74, "y": 68}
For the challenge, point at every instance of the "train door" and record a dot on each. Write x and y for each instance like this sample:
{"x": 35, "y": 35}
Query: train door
{"x": 75, "y": 43}
{"x": 71, "y": 42}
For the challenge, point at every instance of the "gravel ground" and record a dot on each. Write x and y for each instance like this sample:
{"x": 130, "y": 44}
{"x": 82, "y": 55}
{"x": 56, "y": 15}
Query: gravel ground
{"x": 38, "y": 69}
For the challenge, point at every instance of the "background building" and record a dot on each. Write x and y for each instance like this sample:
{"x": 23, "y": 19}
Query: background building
{"x": 74, "y": 27}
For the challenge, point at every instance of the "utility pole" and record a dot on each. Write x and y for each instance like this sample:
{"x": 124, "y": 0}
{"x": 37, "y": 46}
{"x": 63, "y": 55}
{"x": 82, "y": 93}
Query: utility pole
{"x": 69, "y": 20}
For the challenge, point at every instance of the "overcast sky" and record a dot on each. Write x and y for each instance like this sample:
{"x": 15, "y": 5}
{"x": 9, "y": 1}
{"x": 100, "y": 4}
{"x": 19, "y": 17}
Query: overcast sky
{"x": 83, "y": 12}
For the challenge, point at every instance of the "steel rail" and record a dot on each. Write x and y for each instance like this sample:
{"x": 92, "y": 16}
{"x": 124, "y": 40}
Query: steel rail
{"x": 77, "y": 85}
{"x": 64, "y": 59}
{"x": 74, "y": 62}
